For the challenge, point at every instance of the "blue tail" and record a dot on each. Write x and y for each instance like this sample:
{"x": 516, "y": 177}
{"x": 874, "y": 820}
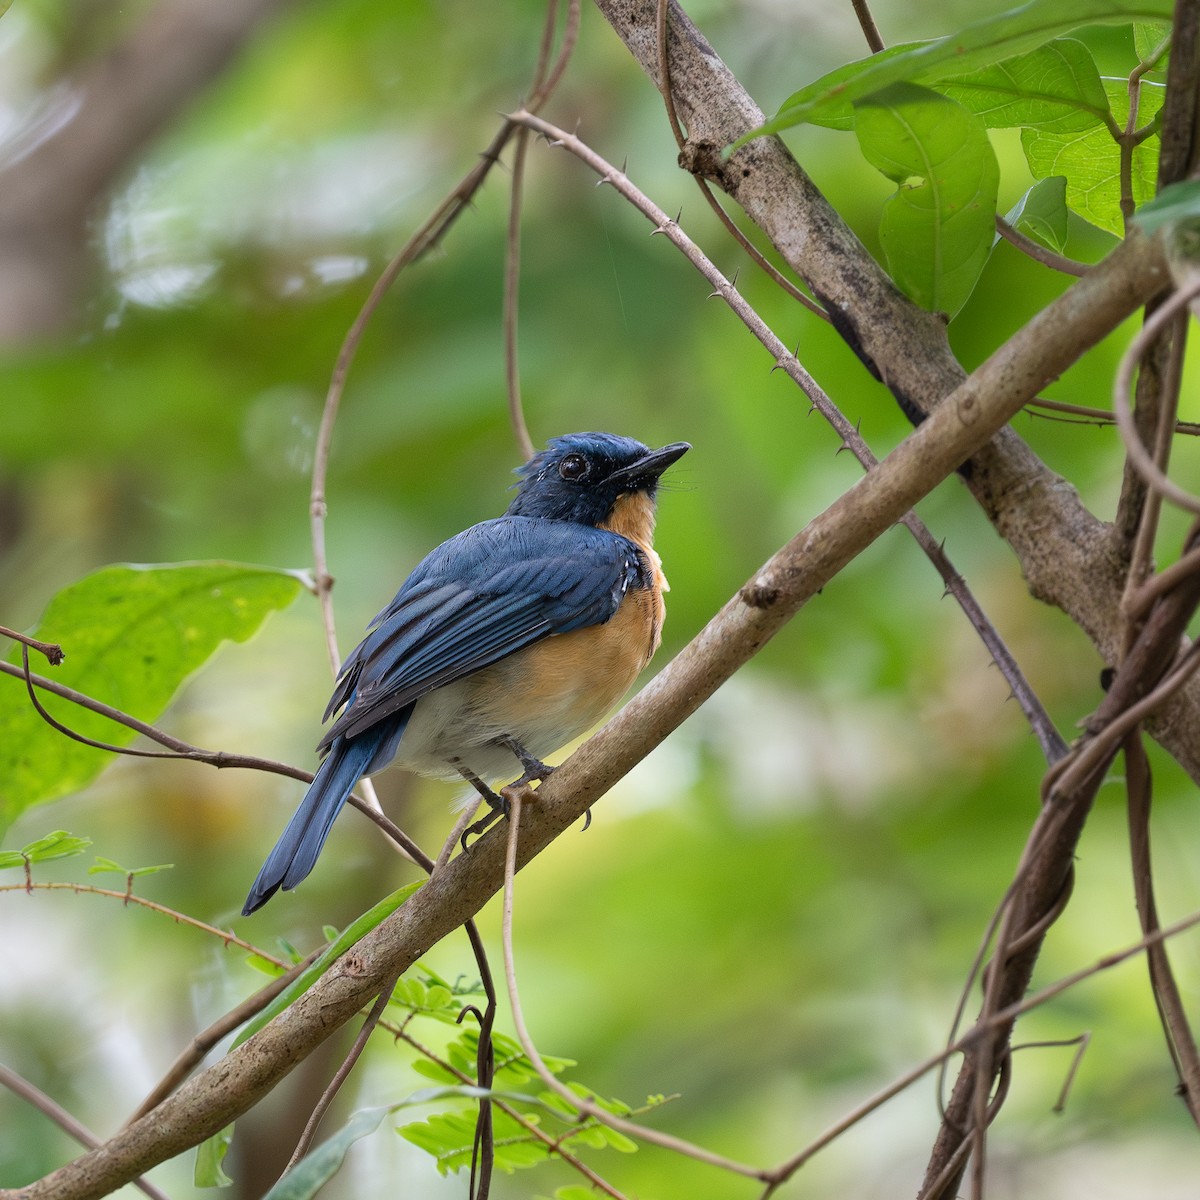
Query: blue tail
{"x": 296, "y": 852}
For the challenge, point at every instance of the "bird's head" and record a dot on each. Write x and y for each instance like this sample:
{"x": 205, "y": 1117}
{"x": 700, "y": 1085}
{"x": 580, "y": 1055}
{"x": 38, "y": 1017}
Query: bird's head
{"x": 582, "y": 477}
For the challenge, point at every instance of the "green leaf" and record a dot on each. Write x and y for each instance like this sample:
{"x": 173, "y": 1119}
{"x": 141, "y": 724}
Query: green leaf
{"x": 937, "y": 230}
{"x": 974, "y": 48}
{"x": 1176, "y": 202}
{"x": 210, "y": 1154}
{"x": 59, "y": 844}
{"x": 1057, "y": 86}
{"x": 449, "y": 1137}
{"x": 1091, "y": 160}
{"x": 1042, "y": 213}
{"x": 354, "y": 932}
{"x": 1148, "y": 44}
{"x": 839, "y": 113}
{"x": 315, "y": 1170}
{"x": 133, "y": 634}
{"x": 106, "y": 866}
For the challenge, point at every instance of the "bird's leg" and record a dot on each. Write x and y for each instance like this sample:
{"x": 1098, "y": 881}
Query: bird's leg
{"x": 535, "y": 769}
{"x": 497, "y": 805}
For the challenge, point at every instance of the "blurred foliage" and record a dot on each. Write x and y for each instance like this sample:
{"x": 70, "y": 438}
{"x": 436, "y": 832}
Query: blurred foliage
{"x": 774, "y": 914}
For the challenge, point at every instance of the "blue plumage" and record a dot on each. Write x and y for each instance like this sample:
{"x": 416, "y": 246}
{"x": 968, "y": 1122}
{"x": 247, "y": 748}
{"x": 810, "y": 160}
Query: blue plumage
{"x": 437, "y": 683}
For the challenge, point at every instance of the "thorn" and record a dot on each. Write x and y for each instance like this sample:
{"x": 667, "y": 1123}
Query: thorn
{"x": 736, "y": 273}
{"x": 625, "y": 165}
{"x": 679, "y": 215}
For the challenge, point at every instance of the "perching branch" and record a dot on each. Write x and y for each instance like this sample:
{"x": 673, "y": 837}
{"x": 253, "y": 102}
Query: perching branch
{"x": 1069, "y": 557}
{"x": 952, "y": 434}
{"x": 1053, "y": 746}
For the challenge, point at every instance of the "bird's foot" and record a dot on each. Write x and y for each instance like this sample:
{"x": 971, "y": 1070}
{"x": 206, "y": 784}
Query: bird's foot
{"x": 480, "y": 827}
{"x": 535, "y": 770}
{"x": 497, "y": 805}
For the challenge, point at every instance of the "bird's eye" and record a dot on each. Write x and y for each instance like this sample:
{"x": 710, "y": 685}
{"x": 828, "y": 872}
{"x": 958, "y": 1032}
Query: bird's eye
{"x": 573, "y": 468}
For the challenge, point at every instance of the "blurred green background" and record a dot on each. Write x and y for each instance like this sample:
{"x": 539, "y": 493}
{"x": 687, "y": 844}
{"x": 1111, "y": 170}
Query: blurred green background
{"x": 774, "y": 914}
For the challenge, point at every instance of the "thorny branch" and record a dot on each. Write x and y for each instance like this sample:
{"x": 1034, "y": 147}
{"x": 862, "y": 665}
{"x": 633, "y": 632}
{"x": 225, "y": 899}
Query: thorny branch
{"x": 1053, "y": 747}
{"x": 779, "y": 590}
{"x": 953, "y": 432}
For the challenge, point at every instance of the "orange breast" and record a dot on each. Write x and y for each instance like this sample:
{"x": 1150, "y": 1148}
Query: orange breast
{"x": 561, "y": 687}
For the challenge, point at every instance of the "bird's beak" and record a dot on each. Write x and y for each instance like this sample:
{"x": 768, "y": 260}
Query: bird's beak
{"x": 649, "y": 467}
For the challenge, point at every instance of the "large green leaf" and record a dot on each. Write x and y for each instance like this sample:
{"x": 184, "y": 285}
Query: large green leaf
{"x": 937, "y": 230}
{"x": 1057, "y": 87}
{"x": 974, "y": 48}
{"x": 132, "y": 635}
{"x": 1091, "y": 160}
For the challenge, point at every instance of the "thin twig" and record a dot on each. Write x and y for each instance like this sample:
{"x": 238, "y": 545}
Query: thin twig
{"x": 341, "y": 1075}
{"x": 784, "y": 360}
{"x": 1157, "y": 397}
{"x": 127, "y": 897}
{"x": 1139, "y": 602}
{"x": 1141, "y": 459}
{"x": 1038, "y": 252}
{"x": 869, "y": 28}
{"x": 512, "y": 285}
{"x": 685, "y": 159}
{"x": 53, "y": 653}
{"x": 177, "y": 748}
{"x": 1100, "y": 416}
{"x": 512, "y": 259}
{"x": 1181, "y": 1042}
{"x": 34, "y": 1096}
{"x": 580, "y": 1104}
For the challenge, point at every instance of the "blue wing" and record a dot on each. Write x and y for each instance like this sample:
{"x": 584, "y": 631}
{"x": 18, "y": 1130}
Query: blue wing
{"x": 491, "y": 590}
{"x": 486, "y": 593}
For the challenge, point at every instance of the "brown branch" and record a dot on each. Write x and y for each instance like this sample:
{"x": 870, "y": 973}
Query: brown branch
{"x": 951, "y": 434}
{"x": 52, "y": 653}
{"x": 867, "y": 23}
{"x": 1181, "y": 1042}
{"x": 370, "y": 1021}
{"x": 34, "y": 1096}
{"x": 1177, "y": 157}
{"x": 1069, "y": 557}
{"x": 685, "y": 157}
{"x": 1048, "y": 737}
{"x": 200, "y": 1045}
{"x": 1046, "y": 865}
{"x": 1038, "y": 252}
